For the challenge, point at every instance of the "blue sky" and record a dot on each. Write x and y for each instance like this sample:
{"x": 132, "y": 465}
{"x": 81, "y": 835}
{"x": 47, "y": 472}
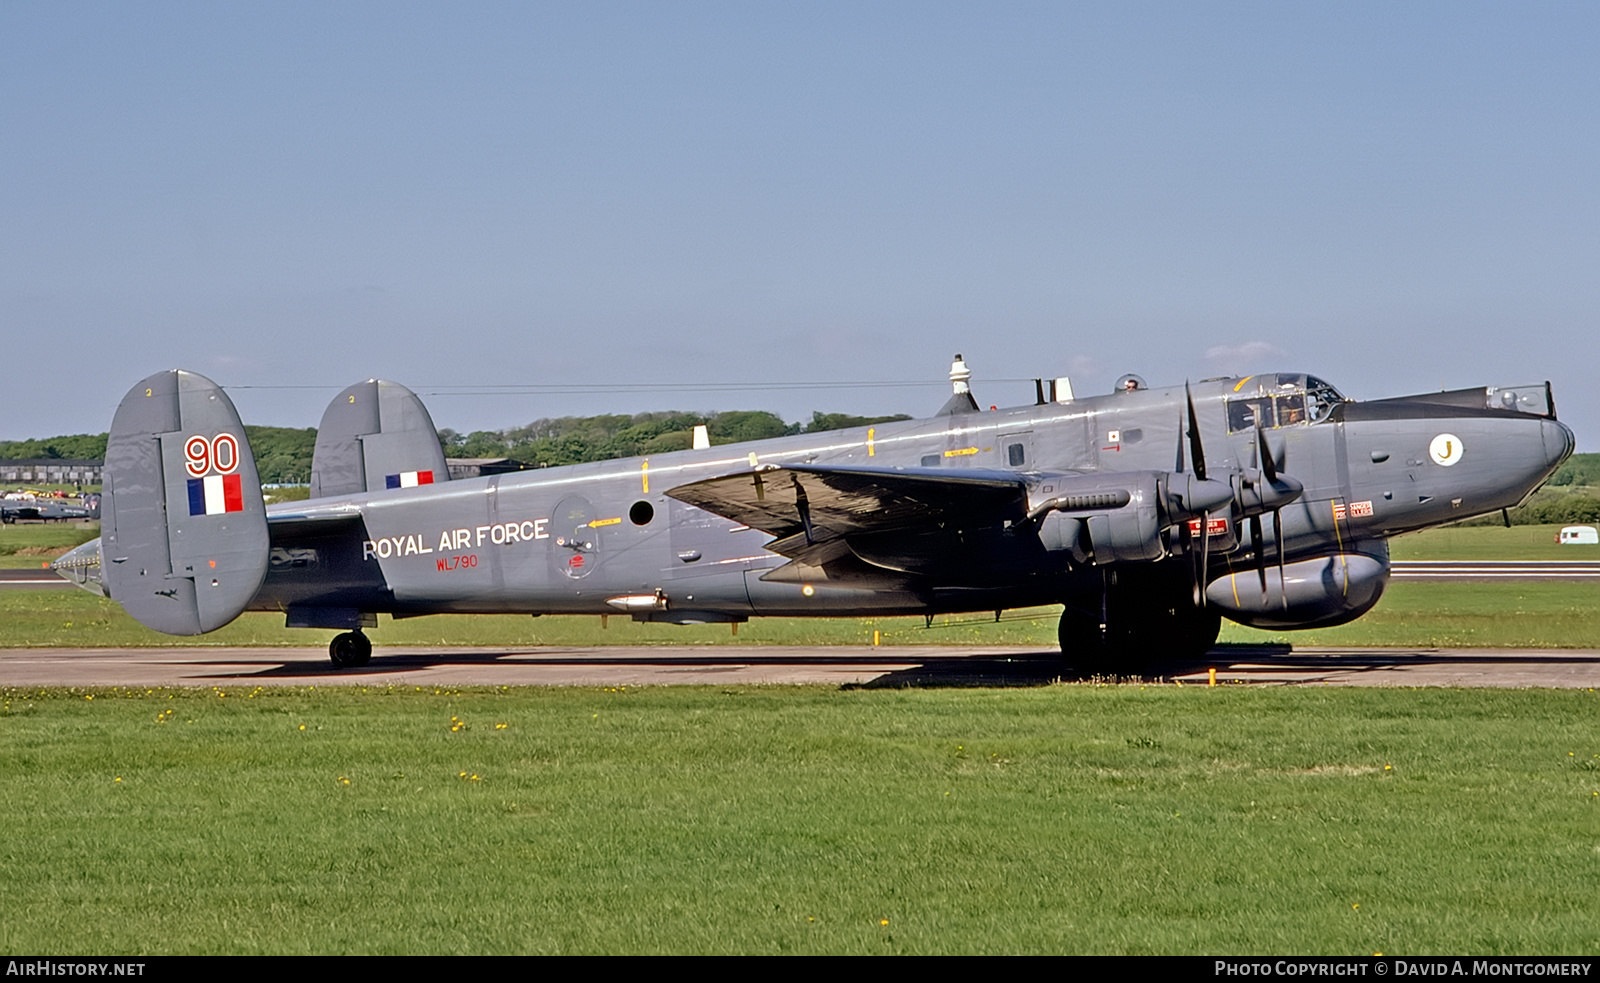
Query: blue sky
{"x": 1395, "y": 197}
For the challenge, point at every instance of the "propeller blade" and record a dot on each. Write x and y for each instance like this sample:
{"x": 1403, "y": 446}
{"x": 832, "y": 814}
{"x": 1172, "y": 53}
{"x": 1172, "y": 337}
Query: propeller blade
{"x": 1205, "y": 555}
{"x": 1186, "y": 537}
{"x": 1269, "y": 467}
{"x": 1179, "y": 467}
{"x": 1258, "y": 544}
{"x": 1197, "y": 453}
{"x": 1277, "y": 535}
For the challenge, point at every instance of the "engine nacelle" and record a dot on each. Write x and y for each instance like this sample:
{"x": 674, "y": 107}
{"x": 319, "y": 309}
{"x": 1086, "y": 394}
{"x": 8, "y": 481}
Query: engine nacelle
{"x": 1316, "y": 593}
{"x": 1105, "y": 518}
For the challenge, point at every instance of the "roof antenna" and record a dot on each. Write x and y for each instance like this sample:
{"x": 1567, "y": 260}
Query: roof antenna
{"x": 961, "y": 400}
{"x": 959, "y": 374}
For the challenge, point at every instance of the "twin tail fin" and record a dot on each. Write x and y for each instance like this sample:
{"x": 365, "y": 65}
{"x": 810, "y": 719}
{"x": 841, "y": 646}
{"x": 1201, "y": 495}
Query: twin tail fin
{"x": 184, "y": 541}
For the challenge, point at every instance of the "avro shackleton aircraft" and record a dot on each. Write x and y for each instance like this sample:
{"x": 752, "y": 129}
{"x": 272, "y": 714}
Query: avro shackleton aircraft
{"x": 1149, "y": 513}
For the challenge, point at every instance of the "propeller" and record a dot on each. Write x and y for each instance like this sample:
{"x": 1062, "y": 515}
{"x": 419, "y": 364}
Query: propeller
{"x": 1186, "y": 536}
{"x": 1274, "y": 490}
{"x": 1201, "y": 497}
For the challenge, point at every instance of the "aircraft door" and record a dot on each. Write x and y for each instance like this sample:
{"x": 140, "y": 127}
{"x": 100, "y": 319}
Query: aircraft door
{"x": 575, "y": 537}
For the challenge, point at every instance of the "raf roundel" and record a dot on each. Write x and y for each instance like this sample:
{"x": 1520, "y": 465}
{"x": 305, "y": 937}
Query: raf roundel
{"x": 1445, "y": 449}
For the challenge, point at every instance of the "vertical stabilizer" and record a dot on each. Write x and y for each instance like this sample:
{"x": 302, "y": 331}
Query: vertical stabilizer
{"x": 375, "y": 435}
{"x": 184, "y": 530}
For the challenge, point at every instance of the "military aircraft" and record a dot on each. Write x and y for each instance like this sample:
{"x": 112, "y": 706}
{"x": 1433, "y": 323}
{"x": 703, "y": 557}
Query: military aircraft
{"x": 48, "y": 510}
{"x": 1150, "y": 514}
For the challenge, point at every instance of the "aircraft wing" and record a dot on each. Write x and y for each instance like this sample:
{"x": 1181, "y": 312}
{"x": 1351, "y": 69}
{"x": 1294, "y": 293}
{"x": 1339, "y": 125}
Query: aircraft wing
{"x": 805, "y": 505}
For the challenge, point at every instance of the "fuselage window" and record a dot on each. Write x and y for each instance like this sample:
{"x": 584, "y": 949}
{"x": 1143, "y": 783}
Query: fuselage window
{"x": 930, "y": 461}
{"x": 1243, "y": 414}
{"x": 1016, "y": 455}
{"x": 1291, "y": 410}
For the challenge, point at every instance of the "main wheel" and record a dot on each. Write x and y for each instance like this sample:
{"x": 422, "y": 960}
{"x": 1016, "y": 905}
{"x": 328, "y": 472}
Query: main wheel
{"x": 1149, "y": 619}
{"x": 350, "y": 650}
{"x": 1083, "y": 643}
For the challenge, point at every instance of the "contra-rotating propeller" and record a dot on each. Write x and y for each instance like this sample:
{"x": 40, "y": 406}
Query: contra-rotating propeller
{"x": 1260, "y": 489}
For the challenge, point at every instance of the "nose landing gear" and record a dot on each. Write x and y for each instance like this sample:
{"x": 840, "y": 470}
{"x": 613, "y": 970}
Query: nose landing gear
{"x": 350, "y": 650}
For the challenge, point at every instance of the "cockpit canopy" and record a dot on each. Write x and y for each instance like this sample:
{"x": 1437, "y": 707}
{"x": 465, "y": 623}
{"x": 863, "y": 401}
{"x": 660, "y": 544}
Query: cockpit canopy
{"x": 1280, "y": 400}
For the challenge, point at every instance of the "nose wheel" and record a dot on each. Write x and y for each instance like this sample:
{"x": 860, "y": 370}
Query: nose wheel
{"x": 350, "y": 650}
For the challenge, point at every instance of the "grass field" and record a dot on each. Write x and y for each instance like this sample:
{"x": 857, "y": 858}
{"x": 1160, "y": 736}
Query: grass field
{"x": 1549, "y": 614}
{"x": 1488, "y": 543}
{"x": 1066, "y": 818}
{"x": 32, "y": 544}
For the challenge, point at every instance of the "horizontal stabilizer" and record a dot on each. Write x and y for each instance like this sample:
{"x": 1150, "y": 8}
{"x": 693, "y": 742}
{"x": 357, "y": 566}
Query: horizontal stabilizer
{"x": 375, "y": 435}
{"x": 184, "y": 537}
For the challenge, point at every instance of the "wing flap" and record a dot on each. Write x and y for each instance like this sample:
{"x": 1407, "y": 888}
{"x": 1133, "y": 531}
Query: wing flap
{"x": 807, "y": 506}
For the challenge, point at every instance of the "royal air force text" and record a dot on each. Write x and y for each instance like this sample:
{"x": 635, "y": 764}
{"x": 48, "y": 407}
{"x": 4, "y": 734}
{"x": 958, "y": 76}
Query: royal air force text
{"x": 450, "y": 540}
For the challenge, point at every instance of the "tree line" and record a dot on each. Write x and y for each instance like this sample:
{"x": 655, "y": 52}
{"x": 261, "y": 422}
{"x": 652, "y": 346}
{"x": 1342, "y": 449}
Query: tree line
{"x": 283, "y": 454}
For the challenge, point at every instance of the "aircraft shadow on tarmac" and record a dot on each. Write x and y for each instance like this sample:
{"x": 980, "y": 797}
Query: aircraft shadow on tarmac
{"x": 1261, "y": 662}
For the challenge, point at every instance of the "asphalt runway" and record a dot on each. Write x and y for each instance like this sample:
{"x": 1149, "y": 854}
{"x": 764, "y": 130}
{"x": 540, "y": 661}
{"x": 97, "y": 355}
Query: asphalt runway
{"x": 31, "y": 579}
{"x": 864, "y": 666}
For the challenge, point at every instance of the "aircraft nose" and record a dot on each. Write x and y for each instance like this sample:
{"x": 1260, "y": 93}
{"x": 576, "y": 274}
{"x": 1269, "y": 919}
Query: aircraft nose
{"x": 1558, "y": 442}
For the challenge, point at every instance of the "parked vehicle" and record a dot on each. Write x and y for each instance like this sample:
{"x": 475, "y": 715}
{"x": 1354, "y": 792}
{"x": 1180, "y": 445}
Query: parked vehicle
{"x": 1579, "y": 535}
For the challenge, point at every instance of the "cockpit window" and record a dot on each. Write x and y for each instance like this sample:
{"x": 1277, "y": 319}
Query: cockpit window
{"x": 1293, "y": 401}
{"x": 1321, "y": 398}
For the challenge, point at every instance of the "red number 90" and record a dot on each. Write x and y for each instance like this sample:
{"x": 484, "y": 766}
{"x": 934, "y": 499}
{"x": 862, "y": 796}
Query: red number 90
{"x": 201, "y": 455}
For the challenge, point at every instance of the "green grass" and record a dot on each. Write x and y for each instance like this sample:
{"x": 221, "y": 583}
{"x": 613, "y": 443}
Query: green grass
{"x": 1525, "y": 614}
{"x": 38, "y": 618}
{"x": 31, "y": 544}
{"x": 1074, "y": 819}
{"x": 1488, "y": 543}
{"x": 1507, "y": 615}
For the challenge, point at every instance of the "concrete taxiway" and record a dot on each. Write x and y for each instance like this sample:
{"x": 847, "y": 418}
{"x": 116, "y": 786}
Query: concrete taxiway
{"x": 834, "y": 666}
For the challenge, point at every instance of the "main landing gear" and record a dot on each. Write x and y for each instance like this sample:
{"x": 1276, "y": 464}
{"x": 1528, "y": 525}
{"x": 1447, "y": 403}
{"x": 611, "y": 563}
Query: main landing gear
{"x": 1142, "y": 620}
{"x": 350, "y": 650}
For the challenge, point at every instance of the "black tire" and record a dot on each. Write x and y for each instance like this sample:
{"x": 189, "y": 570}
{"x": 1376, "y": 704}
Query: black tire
{"x": 1083, "y": 644}
{"x": 351, "y": 650}
{"x": 1148, "y": 622}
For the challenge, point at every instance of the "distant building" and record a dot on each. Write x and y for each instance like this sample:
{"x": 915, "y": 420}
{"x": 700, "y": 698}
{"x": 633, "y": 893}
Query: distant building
{"x": 51, "y": 471}
{"x": 477, "y": 467}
